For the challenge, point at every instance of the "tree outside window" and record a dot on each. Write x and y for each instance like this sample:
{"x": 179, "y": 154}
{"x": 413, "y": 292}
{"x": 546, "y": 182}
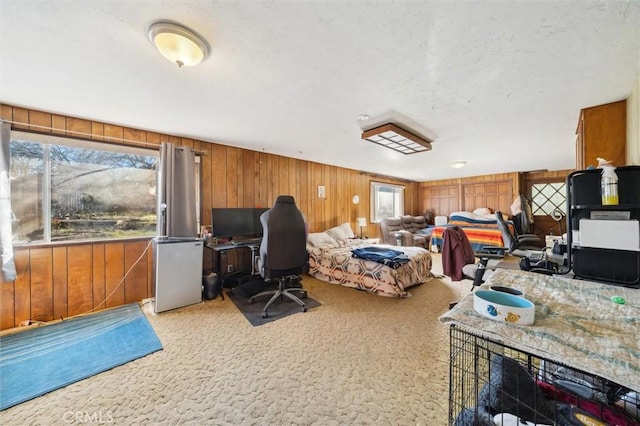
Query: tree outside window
{"x": 65, "y": 189}
{"x": 387, "y": 200}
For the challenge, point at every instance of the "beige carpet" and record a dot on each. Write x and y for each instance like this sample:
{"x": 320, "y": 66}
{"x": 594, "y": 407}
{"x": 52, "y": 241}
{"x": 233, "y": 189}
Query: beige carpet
{"x": 357, "y": 359}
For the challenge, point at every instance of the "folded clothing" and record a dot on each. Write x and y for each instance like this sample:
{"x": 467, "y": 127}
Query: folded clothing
{"x": 385, "y": 256}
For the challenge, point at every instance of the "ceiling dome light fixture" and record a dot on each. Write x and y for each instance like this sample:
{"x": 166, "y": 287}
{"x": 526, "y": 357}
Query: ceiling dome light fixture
{"x": 178, "y": 43}
{"x": 458, "y": 164}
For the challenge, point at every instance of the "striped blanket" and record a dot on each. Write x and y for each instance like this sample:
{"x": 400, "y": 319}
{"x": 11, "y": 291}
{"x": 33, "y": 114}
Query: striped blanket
{"x": 479, "y": 232}
{"x": 478, "y": 237}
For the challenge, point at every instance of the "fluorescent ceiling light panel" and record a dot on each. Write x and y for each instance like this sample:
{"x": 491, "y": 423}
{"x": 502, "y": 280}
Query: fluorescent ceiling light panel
{"x": 393, "y": 137}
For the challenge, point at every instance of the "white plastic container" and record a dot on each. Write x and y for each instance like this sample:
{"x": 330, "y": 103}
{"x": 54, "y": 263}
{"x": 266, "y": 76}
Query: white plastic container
{"x": 610, "y": 234}
{"x": 441, "y": 220}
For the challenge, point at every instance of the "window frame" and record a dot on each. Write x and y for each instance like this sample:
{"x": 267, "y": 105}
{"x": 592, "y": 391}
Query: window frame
{"x": 549, "y": 182}
{"x": 45, "y": 194}
{"x": 375, "y": 191}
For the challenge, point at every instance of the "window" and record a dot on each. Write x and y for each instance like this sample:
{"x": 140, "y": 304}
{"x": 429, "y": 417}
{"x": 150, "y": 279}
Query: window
{"x": 66, "y": 189}
{"x": 547, "y": 197}
{"x": 386, "y": 201}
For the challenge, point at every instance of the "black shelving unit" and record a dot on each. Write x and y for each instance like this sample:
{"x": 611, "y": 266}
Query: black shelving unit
{"x": 609, "y": 265}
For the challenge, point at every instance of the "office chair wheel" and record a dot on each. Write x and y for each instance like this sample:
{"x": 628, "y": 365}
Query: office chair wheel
{"x": 264, "y": 315}
{"x": 251, "y": 301}
{"x": 304, "y": 309}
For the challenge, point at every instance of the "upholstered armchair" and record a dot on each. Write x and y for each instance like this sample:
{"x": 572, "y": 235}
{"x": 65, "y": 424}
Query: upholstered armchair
{"x": 391, "y": 232}
{"x": 405, "y": 231}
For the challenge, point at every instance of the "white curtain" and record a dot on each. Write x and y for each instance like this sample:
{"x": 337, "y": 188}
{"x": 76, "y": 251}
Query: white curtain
{"x": 176, "y": 192}
{"x": 6, "y": 235}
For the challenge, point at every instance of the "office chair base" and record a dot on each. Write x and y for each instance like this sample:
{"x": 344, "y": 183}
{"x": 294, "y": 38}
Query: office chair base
{"x": 281, "y": 292}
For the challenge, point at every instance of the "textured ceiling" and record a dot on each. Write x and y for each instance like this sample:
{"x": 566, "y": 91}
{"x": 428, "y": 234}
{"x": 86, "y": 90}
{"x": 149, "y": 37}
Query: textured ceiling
{"x": 497, "y": 84}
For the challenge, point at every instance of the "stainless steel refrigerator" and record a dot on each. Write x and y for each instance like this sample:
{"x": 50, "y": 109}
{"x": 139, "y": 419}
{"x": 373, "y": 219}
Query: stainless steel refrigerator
{"x": 178, "y": 272}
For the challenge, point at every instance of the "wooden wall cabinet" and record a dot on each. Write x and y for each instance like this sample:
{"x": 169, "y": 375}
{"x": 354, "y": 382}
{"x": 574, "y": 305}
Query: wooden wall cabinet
{"x": 497, "y": 196}
{"x": 497, "y": 192}
{"x": 440, "y": 200}
{"x": 602, "y": 132}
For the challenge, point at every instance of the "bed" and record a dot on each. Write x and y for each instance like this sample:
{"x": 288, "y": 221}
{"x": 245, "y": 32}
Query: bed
{"x": 481, "y": 231}
{"x": 331, "y": 260}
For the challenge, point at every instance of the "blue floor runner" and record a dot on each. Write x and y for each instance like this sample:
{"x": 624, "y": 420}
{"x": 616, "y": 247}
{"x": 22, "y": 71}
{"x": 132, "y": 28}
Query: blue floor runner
{"x": 43, "y": 359}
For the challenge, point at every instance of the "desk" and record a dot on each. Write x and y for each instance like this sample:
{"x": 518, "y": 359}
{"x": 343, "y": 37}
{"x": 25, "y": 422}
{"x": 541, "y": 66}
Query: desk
{"x": 221, "y": 249}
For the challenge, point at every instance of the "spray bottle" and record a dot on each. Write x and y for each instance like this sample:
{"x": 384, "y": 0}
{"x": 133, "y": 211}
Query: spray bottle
{"x": 608, "y": 183}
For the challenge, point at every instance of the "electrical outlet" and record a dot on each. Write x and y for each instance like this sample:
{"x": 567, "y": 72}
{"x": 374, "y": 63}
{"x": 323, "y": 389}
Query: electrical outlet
{"x": 229, "y": 268}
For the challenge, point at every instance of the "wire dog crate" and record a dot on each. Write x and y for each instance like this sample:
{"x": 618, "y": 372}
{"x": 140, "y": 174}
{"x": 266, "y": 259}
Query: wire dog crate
{"x": 494, "y": 384}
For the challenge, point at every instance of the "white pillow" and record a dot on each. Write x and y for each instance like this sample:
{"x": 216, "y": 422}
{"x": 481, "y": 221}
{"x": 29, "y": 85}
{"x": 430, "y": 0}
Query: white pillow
{"x": 342, "y": 232}
{"x": 483, "y": 211}
{"x": 346, "y": 228}
{"x": 318, "y": 239}
{"x": 475, "y": 216}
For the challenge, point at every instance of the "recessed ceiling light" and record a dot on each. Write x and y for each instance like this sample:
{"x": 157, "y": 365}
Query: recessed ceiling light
{"x": 362, "y": 117}
{"x": 458, "y": 164}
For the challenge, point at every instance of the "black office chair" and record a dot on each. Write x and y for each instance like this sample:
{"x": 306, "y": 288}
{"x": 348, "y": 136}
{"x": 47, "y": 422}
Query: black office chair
{"x": 283, "y": 253}
{"x": 459, "y": 259}
{"x": 518, "y": 245}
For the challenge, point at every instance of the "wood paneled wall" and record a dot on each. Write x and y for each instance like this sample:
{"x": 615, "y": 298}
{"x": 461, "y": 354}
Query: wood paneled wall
{"x": 496, "y": 192}
{"x": 60, "y": 280}
{"x": 544, "y": 176}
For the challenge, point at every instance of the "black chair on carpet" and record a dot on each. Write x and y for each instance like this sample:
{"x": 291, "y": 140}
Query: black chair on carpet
{"x": 518, "y": 245}
{"x": 283, "y": 252}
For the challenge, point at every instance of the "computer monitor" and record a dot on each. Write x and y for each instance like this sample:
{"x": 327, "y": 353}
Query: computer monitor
{"x": 236, "y": 222}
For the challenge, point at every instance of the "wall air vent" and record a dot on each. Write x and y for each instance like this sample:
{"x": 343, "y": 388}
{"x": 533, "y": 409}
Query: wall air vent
{"x": 393, "y": 137}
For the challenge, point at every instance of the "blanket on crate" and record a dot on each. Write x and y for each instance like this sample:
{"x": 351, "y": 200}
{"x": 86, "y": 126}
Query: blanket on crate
{"x": 577, "y": 323}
